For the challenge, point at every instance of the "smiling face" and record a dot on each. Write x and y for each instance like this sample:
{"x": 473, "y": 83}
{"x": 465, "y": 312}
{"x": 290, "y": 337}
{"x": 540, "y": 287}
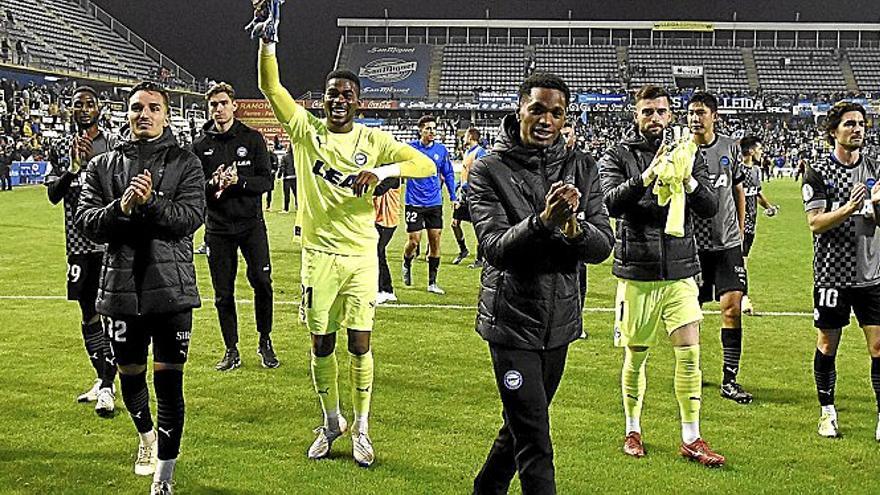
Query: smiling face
{"x": 541, "y": 116}
{"x": 340, "y": 104}
{"x": 653, "y": 116}
{"x": 147, "y": 114}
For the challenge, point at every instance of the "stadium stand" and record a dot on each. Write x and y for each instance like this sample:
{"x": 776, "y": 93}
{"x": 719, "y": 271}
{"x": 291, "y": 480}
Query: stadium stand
{"x": 497, "y": 68}
{"x": 799, "y": 69}
{"x": 865, "y": 68}
{"x": 723, "y": 67}
{"x": 583, "y": 67}
{"x": 63, "y": 35}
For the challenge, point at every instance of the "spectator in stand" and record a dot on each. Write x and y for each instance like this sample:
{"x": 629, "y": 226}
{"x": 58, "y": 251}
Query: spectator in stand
{"x": 4, "y": 49}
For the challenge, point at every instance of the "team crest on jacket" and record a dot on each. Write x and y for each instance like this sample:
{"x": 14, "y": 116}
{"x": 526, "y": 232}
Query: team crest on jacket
{"x": 513, "y": 380}
{"x": 360, "y": 159}
{"x": 725, "y": 161}
{"x": 241, "y": 152}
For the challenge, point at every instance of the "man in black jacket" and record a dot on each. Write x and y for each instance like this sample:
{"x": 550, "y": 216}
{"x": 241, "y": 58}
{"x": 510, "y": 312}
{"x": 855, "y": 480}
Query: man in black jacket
{"x": 236, "y": 164}
{"x": 537, "y": 210}
{"x": 287, "y": 173}
{"x": 145, "y": 199}
{"x": 656, "y": 291}
{"x": 84, "y": 257}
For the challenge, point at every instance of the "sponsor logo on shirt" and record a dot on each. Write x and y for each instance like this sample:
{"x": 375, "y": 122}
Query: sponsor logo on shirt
{"x": 332, "y": 175}
{"x": 241, "y": 152}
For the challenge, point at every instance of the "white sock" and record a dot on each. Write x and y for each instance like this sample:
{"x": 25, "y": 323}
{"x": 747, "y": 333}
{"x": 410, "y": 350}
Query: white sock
{"x": 632, "y": 424}
{"x": 830, "y": 410}
{"x": 164, "y": 470}
{"x": 360, "y": 424}
{"x": 331, "y": 420}
{"x": 690, "y": 432}
{"x": 148, "y": 437}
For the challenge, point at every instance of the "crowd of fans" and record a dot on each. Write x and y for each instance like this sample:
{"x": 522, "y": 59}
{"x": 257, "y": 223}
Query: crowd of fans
{"x": 35, "y": 121}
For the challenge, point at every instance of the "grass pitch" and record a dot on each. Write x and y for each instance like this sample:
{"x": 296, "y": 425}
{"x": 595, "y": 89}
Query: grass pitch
{"x": 435, "y": 409}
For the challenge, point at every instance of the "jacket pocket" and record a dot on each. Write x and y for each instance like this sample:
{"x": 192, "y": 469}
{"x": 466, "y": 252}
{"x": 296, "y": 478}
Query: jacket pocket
{"x": 623, "y": 244}
{"x": 499, "y": 294}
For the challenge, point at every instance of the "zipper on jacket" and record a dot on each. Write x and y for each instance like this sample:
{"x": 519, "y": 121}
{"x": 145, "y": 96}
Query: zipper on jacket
{"x": 550, "y": 314}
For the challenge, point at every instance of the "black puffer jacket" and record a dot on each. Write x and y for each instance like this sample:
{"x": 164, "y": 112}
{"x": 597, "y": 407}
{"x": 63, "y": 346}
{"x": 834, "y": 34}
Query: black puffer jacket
{"x": 238, "y": 209}
{"x": 148, "y": 264}
{"x": 529, "y": 298}
{"x": 642, "y": 251}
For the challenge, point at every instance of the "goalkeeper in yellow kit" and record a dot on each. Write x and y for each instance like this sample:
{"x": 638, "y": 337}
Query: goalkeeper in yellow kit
{"x": 337, "y": 160}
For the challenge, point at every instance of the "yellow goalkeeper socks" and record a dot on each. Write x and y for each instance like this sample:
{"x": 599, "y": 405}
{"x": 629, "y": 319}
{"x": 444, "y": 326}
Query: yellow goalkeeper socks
{"x": 361, "y": 376}
{"x": 688, "y": 381}
{"x": 633, "y": 383}
{"x": 324, "y": 372}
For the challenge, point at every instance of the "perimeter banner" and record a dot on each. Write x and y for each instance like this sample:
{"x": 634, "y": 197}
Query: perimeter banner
{"x": 684, "y": 26}
{"x": 391, "y": 71}
{"x": 258, "y": 114}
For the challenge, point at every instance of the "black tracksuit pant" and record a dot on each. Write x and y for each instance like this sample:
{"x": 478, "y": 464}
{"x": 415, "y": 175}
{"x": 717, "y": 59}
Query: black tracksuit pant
{"x": 385, "y": 235}
{"x": 223, "y": 263}
{"x": 527, "y": 382}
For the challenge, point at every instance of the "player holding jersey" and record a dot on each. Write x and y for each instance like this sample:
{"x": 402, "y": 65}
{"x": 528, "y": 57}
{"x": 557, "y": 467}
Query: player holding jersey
{"x": 336, "y": 161}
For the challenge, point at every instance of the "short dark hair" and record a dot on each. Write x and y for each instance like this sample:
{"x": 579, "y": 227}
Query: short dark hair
{"x": 835, "y": 116}
{"x": 707, "y": 99}
{"x": 424, "y": 119}
{"x": 347, "y": 75}
{"x": 651, "y": 92}
{"x": 221, "y": 87}
{"x": 474, "y": 133}
{"x": 544, "y": 80}
{"x": 748, "y": 143}
{"x": 86, "y": 89}
{"x": 152, "y": 88}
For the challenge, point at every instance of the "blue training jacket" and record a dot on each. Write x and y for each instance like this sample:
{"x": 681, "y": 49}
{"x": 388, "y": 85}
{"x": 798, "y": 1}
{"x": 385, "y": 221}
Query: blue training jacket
{"x": 426, "y": 191}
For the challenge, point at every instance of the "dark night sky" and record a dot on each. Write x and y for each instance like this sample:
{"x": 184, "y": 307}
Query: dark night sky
{"x": 206, "y": 36}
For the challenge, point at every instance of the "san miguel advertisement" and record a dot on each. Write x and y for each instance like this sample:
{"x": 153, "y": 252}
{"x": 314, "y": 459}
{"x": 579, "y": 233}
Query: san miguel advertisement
{"x": 391, "y": 71}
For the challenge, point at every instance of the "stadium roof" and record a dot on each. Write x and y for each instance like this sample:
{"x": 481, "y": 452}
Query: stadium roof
{"x": 572, "y": 24}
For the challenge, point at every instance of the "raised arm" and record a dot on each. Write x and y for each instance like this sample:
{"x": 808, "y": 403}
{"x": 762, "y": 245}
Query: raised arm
{"x": 282, "y": 103}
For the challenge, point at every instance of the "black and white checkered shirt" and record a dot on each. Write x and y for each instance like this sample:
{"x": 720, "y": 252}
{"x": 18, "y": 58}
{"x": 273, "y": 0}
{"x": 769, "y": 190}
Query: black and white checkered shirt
{"x": 752, "y": 186}
{"x": 75, "y": 241}
{"x": 847, "y": 255}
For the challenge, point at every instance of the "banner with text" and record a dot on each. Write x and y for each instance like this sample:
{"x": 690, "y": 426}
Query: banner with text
{"x": 683, "y": 26}
{"x": 687, "y": 71}
{"x": 391, "y": 71}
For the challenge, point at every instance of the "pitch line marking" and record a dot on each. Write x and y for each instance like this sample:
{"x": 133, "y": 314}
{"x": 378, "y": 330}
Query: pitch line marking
{"x": 412, "y": 306}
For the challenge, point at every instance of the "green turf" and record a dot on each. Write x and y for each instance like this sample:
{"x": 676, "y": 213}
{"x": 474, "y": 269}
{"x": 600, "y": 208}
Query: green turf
{"x": 435, "y": 409}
